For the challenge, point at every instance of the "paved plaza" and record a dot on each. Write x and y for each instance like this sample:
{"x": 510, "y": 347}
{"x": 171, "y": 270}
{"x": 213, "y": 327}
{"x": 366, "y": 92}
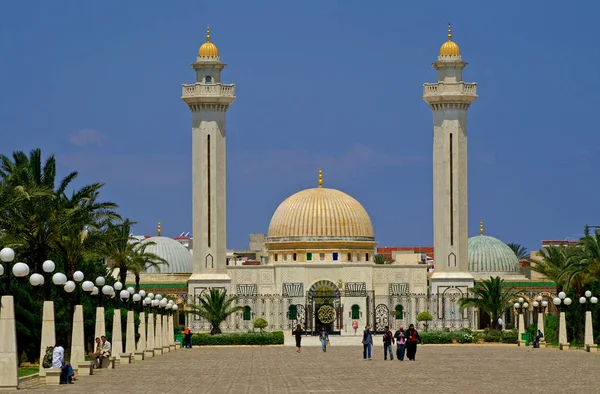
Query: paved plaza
{"x": 279, "y": 370}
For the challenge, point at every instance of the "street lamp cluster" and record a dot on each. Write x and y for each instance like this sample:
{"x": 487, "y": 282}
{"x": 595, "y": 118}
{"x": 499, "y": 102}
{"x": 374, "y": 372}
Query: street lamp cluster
{"x": 162, "y": 337}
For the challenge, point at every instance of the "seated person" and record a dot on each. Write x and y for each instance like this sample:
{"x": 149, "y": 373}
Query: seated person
{"x": 538, "y": 337}
{"x": 95, "y": 358}
{"x": 105, "y": 350}
{"x": 58, "y": 361}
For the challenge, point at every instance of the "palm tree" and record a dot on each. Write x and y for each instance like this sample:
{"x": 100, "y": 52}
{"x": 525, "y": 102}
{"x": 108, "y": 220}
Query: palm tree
{"x": 492, "y": 297}
{"x": 118, "y": 247}
{"x": 215, "y": 307}
{"x": 382, "y": 259}
{"x": 519, "y": 250}
{"x": 554, "y": 265}
{"x": 142, "y": 261}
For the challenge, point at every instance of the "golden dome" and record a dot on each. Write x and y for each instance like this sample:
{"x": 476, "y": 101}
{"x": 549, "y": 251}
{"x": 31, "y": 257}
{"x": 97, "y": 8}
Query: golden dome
{"x": 208, "y": 48}
{"x": 449, "y": 48}
{"x": 320, "y": 212}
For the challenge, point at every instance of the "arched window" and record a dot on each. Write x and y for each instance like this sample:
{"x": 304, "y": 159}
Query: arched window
{"x": 247, "y": 313}
{"x": 399, "y": 312}
{"x": 355, "y": 312}
{"x": 293, "y": 312}
{"x": 208, "y": 79}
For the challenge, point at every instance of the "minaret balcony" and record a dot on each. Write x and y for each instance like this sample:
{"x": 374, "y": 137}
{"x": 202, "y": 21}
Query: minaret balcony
{"x": 449, "y": 92}
{"x": 199, "y": 93}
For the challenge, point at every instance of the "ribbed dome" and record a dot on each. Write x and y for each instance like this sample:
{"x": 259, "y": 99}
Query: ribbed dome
{"x": 177, "y": 255}
{"x": 208, "y": 48}
{"x": 489, "y": 254}
{"x": 449, "y": 48}
{"x": 320, "y": 212}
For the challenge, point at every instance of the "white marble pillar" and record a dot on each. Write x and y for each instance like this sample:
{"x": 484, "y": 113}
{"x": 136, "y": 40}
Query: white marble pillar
{"x": 130, "y": 339}
{"x": 117, "y": 335}
{"x": 540, "y": 325}
{"x": 589, "y": 331}
{"x": 150, "y": 341}
{"x": 77, "y": 338}
{"x": 562, "y": 332}
{"x": 171, "y": 330}
{"x": 165, "y": 343}
{"x": 100, "y": 328}
{"x": 9, "y": 372}
{"x": 521, "y": 329}
{"x": 48, "y": 332}
{"x": 141, "y": 345}
{"x": 158, "y": 335}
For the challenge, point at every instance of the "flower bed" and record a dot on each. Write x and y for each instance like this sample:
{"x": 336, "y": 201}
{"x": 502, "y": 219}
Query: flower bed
{"x": 250, "y": 338}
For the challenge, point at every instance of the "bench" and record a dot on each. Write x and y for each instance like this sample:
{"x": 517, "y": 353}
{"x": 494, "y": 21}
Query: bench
{"x": 166, "y": 349}
{"x": 148, "y": 353}
{"x": 85, "y": 368}
{"x": 564, "y": 346}
{"x": 177, "y": 345}
{"x": 108, "y": 362}
{"x": 173, "y": 347}
{"x": 158, "y": 351}
{"x": 138, "y": 356}
{"x": 53, "y": 376}
{"x": 591, "y": 348}
{"x": 126, "y": 358}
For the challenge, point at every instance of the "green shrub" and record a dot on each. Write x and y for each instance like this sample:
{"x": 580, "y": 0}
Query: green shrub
{"x": 492, "y": 336}
{"x": 532, "y": 329}
{"x": 424, "y": 317}
{"x": 511, "y": 336}
{"x": 551, "y": 329}
{"x": 267, "y": 338}
{"x": 260, "y": 323}
{"x": 436, "y": 337}
{"x": 465, "y": 338}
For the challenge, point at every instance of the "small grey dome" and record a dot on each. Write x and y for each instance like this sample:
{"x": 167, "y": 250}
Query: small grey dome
{"x": 489, "y": 254}
{"x": 177, "y": 255}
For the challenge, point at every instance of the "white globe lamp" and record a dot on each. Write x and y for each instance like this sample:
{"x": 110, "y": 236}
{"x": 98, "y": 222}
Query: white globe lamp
{"x": 20, "y": 270}
{"x": 7, "y": 255}
{"x": 48, "y": 266}
{"x": 78, "y": 276}
{"x": 70, "y": 286}
{"x": 36, "y": 280}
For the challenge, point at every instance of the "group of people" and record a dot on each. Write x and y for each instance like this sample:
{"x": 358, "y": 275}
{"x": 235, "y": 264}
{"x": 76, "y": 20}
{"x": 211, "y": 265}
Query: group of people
{"x": 103, "y": 350}
{"x": 406, "y": 343}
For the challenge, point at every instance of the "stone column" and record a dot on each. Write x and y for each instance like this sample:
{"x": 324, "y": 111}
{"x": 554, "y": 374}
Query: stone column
{"x": 77, "y": 338}
{"x": 141, "y": 345}
{"x": 589, "y": 333}
{"x": 541, "y": 326}
{"x": 158, "y": 335}
{"x": 100, "y": 329}
{"x": 165, "y": 343}
{"x": 130, "y": 342}
{"x": 9, "y": 372}
{"x": 117, "y": 337}
{"x": 150, "y": 341}
{"x": 521, "y": 329}
{"x": 562, "y": 332}
{"x": 48, "y": 332}
{"x": 171, "y": 330}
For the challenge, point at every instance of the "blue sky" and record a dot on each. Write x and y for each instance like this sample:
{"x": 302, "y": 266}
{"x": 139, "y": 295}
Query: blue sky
{"x": 331, "y": 84}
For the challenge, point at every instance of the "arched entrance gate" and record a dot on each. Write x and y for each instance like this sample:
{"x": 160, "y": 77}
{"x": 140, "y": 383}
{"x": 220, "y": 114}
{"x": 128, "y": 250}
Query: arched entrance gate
{"x": 324, "y": 308}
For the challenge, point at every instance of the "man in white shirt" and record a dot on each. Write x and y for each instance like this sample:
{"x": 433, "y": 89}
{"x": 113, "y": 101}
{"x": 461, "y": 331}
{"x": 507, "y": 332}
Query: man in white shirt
{"x": 501, "y": 323}
{"x": 104, "y": 350}
{"x": 58, "y": 361}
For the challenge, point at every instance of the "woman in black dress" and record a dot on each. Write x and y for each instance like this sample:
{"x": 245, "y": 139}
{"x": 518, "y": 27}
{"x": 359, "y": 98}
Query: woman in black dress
{"x": 411, "y": 343}
{"x": 298, "y": 335}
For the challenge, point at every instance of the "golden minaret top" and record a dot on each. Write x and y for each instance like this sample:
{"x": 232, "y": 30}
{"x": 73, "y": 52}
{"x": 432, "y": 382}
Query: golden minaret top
{"x": 449, "y": 48}
{"x": 208, "y": 49}
{"x": 159, "y": 229}
{"x": 481, "y": 228}
{"x": 320, "y": 177}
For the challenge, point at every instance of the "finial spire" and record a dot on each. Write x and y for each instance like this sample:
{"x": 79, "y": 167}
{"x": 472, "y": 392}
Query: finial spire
{"x": 320, "y": 177}
{"x": 207, "y": 33}
{"x": 159, "y": 229}
{"x": 481, "y": 228}
{"x": 449, "y": 31}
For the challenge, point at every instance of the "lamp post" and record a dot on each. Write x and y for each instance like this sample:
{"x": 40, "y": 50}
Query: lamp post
{"x": 589, "y": 330}
{"x": 520, "y": 307}
{"x": 561, "y": 302}
{"x": 9, "y": 373}
{"x": 158, "y": 326}
{"x": 173, "y": 316}
{"x": 149, "y": 352}
{"x": 540, "y": 305}
{"x": 7, "y": 256}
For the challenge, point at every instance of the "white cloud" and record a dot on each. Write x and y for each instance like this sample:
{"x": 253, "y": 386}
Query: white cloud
{"x": 87, "y": 137}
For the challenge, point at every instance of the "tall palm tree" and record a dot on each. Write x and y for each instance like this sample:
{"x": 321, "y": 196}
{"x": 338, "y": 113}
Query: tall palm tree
{"x": 141, "y": 260}
{"x": 118, "y": 246}
{"x": 554, "y": 265}
{"x": 492, "y": 297}
{"x": 215, "y": 306}
{"x": 520, "y": 251}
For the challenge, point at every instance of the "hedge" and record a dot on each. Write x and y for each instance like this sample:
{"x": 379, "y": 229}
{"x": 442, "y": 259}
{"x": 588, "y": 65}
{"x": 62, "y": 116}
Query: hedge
{"x": 250, "y": 338}
{"x": 467, "y": 336}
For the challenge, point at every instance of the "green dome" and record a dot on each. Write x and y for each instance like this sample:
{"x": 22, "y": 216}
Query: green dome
{"x": 489, "y": 254}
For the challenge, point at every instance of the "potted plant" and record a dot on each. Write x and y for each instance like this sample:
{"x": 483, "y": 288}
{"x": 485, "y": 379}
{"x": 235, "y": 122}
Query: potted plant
{"x": 425, "y": 317}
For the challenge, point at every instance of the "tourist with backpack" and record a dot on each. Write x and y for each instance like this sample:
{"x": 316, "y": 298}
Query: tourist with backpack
{"x": 388, "y": 341}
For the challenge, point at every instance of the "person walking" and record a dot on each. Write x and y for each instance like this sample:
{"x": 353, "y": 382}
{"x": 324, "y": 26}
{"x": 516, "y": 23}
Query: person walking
{"x": 388, "y": 340}
{"x": 412, "y": 338}
{"x": 355, "y": 326}
{"x": 400, "y": 338}
{"x": 324, "y": 337}
{"x": 187, "y": 338}
{"x": 298, "y": 335}
{"x": 367, "y": 343}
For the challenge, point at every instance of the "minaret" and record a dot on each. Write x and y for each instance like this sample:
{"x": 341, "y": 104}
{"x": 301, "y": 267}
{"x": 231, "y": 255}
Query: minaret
{"x": 449, "y": 99}
{"x": 209, "y": 100}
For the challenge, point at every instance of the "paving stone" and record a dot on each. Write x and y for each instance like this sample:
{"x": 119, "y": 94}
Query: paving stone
{"x": 279, "y": 370}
